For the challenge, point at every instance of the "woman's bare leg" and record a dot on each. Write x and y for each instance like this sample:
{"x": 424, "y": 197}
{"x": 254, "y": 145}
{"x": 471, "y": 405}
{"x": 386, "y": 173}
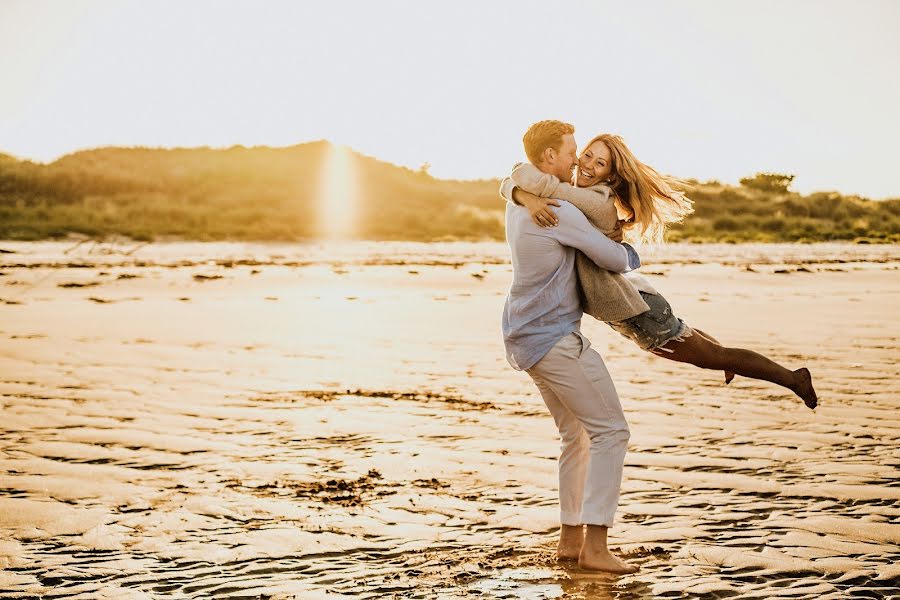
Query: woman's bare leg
{"x": 702, "y": 352}
{"x": 729, "y": 375}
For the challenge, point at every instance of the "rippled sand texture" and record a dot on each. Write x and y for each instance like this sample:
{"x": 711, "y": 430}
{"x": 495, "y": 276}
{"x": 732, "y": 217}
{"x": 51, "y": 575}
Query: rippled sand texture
{"x": 238, "y": 421}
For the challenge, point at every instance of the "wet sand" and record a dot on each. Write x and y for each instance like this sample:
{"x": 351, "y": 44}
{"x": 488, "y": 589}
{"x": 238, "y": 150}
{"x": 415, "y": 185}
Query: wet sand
{"x": 276, "y": 421}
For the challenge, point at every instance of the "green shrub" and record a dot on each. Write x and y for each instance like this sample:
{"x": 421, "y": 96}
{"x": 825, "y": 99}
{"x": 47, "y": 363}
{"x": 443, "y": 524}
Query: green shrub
{"x": 274, "y": 194}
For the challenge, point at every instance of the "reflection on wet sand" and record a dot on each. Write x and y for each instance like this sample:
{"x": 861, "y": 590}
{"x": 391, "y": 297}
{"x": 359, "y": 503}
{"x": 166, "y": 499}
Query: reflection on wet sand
{"x": 278, "y": 421}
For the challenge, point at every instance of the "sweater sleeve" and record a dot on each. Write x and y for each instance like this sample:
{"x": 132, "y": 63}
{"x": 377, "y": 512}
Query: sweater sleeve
{"x": 506, "y": 189}
{"x": 595, "y": 202}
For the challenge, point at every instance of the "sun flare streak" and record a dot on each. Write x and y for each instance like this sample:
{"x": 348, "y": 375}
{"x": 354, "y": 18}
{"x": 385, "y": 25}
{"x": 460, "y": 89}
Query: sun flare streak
{"x": 338, "y": 195}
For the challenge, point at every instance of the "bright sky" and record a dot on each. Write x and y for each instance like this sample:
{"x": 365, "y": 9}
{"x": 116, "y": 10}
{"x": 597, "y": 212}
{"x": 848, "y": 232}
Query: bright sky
{"x": 698, "y": 88}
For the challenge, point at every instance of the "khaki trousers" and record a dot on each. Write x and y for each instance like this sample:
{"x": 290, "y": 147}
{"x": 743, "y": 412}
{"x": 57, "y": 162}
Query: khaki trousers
{"x": 577, "y": 388}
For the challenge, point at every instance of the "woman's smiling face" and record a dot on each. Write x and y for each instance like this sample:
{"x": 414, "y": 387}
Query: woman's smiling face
{"x": 594, "y": 164}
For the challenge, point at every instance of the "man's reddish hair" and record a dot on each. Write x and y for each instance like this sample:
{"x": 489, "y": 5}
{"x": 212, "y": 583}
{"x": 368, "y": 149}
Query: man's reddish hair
{"x": 543, "y": 135}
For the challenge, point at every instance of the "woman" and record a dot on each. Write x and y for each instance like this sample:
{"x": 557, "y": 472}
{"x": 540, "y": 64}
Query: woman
{"x": 613, "y": 183}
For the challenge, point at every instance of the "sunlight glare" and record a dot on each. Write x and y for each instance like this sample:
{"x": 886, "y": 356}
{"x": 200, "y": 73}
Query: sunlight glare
{"x": 338, "y": 194}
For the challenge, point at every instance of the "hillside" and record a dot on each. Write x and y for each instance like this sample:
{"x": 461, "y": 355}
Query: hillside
{"x": 264, "y": 193}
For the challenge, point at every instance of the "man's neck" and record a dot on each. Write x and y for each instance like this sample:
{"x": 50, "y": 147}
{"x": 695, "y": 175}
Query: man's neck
{"x": 544, "y": 168}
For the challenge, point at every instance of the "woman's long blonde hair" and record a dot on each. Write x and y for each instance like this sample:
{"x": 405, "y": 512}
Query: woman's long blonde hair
{"x": 654, "y": 199}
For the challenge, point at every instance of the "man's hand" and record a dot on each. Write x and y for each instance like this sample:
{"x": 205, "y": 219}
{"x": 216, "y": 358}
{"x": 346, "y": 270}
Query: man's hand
{"x": 618, "y": 234}
{"x": 538, "y": 207}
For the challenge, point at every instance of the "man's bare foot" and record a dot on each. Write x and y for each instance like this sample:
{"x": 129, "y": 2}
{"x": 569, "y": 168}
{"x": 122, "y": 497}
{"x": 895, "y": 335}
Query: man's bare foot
{"x": 595, "y": 555}
{"x": 803, "y": 387}
{"x": 571, "y": 539}
{"x": 728, "y": 377}
{"x": 603, "y": 561}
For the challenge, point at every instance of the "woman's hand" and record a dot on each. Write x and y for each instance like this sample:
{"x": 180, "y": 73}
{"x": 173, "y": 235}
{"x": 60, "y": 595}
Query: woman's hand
{"x": 538, "y": 207}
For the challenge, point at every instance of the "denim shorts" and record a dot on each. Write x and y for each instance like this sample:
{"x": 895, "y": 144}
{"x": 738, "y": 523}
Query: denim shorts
{"x": 653, "y": 329}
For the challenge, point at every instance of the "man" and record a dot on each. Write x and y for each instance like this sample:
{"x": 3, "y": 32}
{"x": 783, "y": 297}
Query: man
{"x": 542, "y": 336}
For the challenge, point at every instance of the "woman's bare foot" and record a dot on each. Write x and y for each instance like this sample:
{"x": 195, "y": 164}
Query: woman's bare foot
{"x": 571, "y": 539}
{"x": 803, "y": 387}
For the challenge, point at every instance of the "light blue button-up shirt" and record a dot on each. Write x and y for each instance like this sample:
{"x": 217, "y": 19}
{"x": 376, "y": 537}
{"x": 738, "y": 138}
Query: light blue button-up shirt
{"x": 543, "y": 306}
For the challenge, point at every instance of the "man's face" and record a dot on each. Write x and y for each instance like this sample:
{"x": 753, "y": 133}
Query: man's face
{"x": 565, "y": 160}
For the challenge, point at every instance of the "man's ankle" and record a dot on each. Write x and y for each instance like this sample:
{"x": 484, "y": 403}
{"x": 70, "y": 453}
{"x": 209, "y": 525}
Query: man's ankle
{"x": 595, "y": 537}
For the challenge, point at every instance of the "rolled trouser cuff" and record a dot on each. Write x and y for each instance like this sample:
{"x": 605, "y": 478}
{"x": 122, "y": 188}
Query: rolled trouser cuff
{"x": 604, "y": 520}
{"x": 570, "y": 518}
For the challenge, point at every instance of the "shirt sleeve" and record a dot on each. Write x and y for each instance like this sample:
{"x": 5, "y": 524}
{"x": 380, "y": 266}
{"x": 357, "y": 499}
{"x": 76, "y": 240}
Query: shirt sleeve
{"x": 576, "y": 231}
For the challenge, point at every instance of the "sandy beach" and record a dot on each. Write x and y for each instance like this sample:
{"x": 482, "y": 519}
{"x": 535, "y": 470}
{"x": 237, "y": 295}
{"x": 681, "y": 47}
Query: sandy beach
{"x": 188, "y": 420}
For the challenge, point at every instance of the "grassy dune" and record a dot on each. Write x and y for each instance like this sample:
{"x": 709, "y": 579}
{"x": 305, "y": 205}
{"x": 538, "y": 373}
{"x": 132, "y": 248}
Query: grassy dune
{"x": 264, "y": 193}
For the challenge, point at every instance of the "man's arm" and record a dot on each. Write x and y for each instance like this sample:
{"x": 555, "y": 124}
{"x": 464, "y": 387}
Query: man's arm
{"x": 576, "y": 231}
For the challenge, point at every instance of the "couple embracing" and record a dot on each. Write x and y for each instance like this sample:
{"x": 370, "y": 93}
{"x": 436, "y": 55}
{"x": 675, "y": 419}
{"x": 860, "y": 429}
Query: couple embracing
{"x": 569, "y": 258}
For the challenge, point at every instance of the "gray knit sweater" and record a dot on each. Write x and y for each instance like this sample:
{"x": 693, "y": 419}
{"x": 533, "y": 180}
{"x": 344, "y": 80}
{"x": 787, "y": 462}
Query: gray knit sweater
{"x": 604, "y": 295}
